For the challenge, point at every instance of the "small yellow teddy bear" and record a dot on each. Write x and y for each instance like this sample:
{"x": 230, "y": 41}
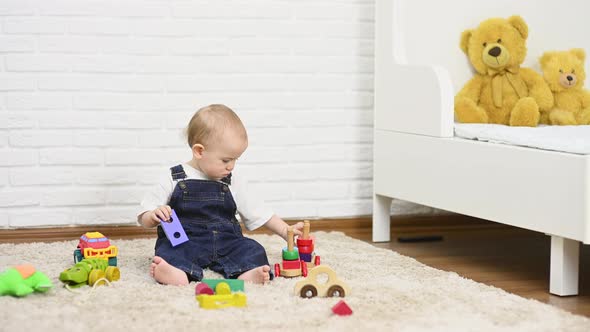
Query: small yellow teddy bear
{"x": 564, "y": 73}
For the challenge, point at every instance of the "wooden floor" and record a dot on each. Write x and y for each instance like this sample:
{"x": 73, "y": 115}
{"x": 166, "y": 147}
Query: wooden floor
{"x": 513, "y": 259}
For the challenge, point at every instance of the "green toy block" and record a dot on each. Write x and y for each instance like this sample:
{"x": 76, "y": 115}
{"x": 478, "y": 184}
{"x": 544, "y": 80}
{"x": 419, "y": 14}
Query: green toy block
{"x": 292, "y": 255}
{"x": 234, "y": 284}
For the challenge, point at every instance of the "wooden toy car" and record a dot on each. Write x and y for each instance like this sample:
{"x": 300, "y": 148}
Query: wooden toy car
{"x": 292, "y": 265}
{"x": 310, "y": 287}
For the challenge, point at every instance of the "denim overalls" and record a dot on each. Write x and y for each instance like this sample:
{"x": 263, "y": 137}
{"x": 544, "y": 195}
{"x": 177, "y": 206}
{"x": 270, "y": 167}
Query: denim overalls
{"x": 207, "y": 212}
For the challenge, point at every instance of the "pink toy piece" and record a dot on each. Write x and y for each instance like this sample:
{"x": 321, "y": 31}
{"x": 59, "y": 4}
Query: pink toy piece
{"x": 174, "y": 231}
{"x": 203, "y": 288}
{"x": 342, "y": 309}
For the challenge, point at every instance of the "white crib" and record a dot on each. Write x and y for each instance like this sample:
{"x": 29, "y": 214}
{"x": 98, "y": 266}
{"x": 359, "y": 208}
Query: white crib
{"x": 417, "y": 158}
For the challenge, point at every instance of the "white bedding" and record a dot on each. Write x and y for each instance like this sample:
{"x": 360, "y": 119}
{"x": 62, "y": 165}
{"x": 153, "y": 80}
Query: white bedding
{"x": 573, "y": 139}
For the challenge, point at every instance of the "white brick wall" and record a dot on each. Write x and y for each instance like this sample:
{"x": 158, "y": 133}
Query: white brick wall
{"x": 94, "y": 95}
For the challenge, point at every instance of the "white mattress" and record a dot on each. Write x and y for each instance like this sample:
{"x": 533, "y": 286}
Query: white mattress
{"x": 572, "y": 139}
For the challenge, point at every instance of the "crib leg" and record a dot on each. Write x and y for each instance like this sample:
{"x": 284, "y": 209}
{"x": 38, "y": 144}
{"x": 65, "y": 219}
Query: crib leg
{"x": 563, "y": 279}
{"x": 381, "y": 218}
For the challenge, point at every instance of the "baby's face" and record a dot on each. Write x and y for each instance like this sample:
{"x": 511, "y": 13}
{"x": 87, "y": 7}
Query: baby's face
{"x": 219, "y": 157}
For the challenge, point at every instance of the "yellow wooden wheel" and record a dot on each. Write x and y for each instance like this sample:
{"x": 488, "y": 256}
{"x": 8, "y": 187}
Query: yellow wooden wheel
{"x": 94, "y": 276}
{"x": 113, "y": 273}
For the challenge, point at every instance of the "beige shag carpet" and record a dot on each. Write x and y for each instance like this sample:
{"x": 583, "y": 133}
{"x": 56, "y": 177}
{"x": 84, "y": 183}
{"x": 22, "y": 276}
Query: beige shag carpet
{"x": 390, "y": 292}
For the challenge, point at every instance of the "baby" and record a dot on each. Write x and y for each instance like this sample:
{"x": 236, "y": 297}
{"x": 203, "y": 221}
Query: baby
{"x": 206, "y": 195}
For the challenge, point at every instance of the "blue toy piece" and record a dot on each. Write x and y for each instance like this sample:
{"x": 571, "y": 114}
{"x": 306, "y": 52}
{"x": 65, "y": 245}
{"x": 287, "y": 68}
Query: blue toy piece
{"x": 174, "y": 231}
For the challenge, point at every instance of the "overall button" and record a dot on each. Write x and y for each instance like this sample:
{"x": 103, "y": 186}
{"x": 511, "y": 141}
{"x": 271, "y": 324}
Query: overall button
{"x": 225, "y": 189}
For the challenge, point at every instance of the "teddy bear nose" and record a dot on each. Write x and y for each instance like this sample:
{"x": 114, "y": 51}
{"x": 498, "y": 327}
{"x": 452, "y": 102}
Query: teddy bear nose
{"x": 495, "y": 51}
{"x": 569, "y": 78}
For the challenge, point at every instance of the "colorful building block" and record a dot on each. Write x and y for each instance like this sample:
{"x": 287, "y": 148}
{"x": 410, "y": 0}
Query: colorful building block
{"x": 306, "y": 244}
{"x": 222, "y": 301}
{"x": 289, "y": 265}
{"x": 203, "y": 288}
{"x": 223, "y": 296}
{"x": 174, "y": 231}
{"x": 305, "y": 257}
{"x": 234, "y": 284}
{"x": 342, "y": 309}
{"x": 293, "y": 266}
{"x": 222, "y": 288}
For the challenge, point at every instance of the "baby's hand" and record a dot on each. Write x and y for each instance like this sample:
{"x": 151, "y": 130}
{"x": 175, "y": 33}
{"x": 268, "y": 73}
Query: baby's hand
{"x": 160, "y": 213}
{"x": 298, "y": 229}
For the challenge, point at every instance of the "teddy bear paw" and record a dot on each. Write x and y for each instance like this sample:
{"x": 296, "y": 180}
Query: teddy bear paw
{"x": 583, "y": 117}
{"x": 525, "y": 113}
{"x": 467, "y": 111}
{"x": 562, "y": 118}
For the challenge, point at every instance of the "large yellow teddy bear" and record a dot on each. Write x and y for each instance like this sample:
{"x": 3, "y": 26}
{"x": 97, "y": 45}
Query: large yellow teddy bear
{"x": 565, "y": 74}
{"x": 501, "y": 92}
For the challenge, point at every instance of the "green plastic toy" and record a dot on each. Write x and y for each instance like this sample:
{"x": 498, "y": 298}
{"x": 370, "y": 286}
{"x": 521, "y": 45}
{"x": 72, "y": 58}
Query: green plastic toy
{"x": 236, "y": 285}
{"x": 89, "y": 272}
{"x": 23, "y": 280}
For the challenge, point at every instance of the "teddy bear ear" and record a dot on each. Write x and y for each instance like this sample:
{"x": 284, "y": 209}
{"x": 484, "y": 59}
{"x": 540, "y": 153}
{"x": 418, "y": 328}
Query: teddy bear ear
{"x": 579, "y": 53}
{"x": 544, "y": 59}
{"x": 465, "y": 36}
{"x": 519, "y": 24}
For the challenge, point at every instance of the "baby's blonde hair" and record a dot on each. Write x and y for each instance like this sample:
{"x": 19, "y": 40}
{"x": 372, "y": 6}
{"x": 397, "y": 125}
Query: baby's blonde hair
{"x": 209, "y": 122}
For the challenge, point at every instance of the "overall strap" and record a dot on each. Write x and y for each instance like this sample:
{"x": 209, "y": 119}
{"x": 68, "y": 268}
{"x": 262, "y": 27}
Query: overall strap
{"x": 177, "y": 172}
{"x": 227, "y": 179}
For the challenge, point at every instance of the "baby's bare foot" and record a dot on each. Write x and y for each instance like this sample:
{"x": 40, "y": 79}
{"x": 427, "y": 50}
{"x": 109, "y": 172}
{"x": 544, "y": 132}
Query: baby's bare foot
{"x": 167, "y": 274}
{"x": 258, "y": 275}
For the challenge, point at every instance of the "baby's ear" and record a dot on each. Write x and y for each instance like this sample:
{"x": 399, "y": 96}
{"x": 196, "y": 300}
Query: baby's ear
{"x": 545, "y": 58}
{"x": 465, "y": 36}
{"x": 198, "y": 150}
{"x": 579, "y": 53}
{"x": 519, "y": 24}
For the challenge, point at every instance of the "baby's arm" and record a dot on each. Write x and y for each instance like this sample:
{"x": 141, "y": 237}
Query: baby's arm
{"x": 154, "y": 205}
{"x": 152, "y": 218}
{"x": 279, "y": 226}
{"x": 254, "y": 212}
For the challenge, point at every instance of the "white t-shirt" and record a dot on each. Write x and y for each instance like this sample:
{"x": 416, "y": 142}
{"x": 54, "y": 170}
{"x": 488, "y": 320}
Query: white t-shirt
{"x": 252, "y": 210}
